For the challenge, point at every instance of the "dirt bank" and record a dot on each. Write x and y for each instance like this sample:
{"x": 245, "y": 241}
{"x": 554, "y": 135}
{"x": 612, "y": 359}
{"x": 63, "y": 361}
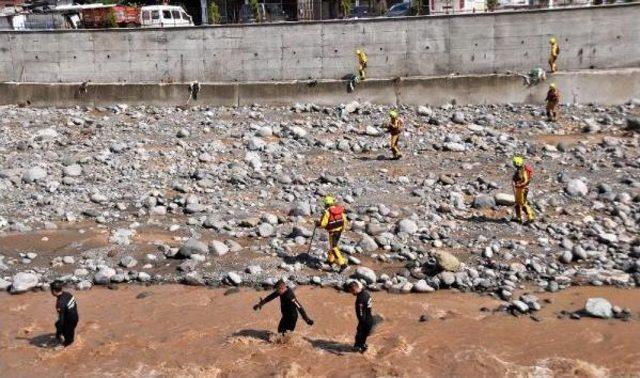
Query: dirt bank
{"x": 186, "y": 331}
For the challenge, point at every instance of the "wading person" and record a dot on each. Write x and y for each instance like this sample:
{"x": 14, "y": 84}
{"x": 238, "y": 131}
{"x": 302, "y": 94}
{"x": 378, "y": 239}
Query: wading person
{"x": 289, "y": 307}
{"x": 67, "y": 309}
{"x": 364, "y": 315}
{"x": 334, "y": 220}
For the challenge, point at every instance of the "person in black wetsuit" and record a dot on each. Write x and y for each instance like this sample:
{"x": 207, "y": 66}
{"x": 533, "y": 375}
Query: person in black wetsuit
{"x": 67, "y": 309}
{"x": 289, "y": 307}
{"x": 363, "y": 313}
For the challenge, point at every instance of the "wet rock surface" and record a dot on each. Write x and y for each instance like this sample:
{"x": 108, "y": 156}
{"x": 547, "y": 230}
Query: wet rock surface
{"x": 229, "y": 196}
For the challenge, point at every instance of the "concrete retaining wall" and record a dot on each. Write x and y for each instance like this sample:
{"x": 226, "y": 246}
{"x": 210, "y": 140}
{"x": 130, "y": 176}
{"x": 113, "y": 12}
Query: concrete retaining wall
{"x": 596, "y": 37}
{"x": 608, "y": 87}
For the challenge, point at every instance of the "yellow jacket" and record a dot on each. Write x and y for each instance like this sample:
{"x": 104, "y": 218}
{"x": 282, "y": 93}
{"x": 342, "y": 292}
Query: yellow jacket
{"x": 555, "y": 50}
{"x": 362, "y": 57}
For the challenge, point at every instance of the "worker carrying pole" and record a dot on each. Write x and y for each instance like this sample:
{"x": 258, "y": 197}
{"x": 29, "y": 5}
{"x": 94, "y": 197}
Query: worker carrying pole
{"x": 334, "y": 220}
{"x": 362, "y": 63}
{"x": 520, "y": 182}
{"x": 553, "y": 99}
{"x": 553, "y": 56}
{"x": 395, "y": 129}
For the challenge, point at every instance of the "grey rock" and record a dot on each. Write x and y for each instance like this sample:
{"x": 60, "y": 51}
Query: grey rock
{"x": 598, "y": 308}
{"x": 447, "y": 262}
{"x": 253, "y": 270}
{"x": 266, "y": 230}
{"x": 73, "y": 170}
{"x": 144, "y": 277}
{"x": 192, "y": 246}
{"x": 84, "y": 285}
{"x": 577, "y": 188}
{"x": 425, "y": 111}
{"x": 407, "y": 226}
{"x": 504, "y": 199}
{"x": 23, "y": 282}
{"x": 367, "y": 243}
{"x": 34, "y": 174}
{"x": 104, "y": 275}
{"x": 128, "y": 262}
{"x": 218, "y": 248}
{"x": 483, "y": 201}
{"x": 520, "y": 306}
{"x": 422, "y": 287}
{"x": 459, "y": 118}
{"x": 366, "y": 274}
{"x": 566, "y": 257}
{"x": 234, "y": 278}
{"x": 301, "y": 209}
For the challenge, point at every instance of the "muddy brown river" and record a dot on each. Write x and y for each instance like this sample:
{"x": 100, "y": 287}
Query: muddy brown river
{"x": 173, "y": 330}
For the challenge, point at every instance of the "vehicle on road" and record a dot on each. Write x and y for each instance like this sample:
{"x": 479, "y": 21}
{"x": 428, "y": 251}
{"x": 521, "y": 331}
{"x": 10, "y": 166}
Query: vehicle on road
{"x": 400, "y": 10}
{"x": 164, "y": 16}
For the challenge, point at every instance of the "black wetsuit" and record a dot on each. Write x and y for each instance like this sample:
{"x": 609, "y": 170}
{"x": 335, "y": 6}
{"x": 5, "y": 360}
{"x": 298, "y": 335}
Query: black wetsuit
{"x": 289, "y": 307}
{"x": 67, "y": 309}
{"x": 365, "y": 318}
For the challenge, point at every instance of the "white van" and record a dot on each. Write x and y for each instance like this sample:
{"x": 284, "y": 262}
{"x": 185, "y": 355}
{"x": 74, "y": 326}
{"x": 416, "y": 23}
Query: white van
{"x": 164, "y": 16}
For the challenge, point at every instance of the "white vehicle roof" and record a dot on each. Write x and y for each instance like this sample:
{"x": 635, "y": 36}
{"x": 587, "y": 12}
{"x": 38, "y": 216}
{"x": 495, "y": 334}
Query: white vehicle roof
{"x": 162, "y": 7}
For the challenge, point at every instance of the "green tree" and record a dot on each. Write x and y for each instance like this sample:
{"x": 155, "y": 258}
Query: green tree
{"x": 346, "y": 7}
{"x": 214, "y": 13}
{"x": 255, "y": 8}
{"x": 492, "y": 5}
{"x": 111, "y": 19}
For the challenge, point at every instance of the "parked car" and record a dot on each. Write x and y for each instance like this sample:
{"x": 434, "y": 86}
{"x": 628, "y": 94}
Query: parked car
{"x": 164, "y": 16}
{"x": 400, "y": 10}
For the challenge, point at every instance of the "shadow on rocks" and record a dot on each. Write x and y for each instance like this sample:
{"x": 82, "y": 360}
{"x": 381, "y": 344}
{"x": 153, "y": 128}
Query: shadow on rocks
{"x": 332, "y": 347}
{"x": 46, "y": 340}
{"x": 483, "y": 219}
{"x": 258, "y": 334}
{"x": 303, "y": 258}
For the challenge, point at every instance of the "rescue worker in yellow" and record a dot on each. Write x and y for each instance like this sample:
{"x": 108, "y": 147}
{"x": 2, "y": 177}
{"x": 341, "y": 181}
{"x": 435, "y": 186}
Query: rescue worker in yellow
{"x": 553, "y": 99}
{"x": 362, "y": 64}
{"x": 521, "y": 179}
{"x": 395, "y": 129}
{"x": 334, "y": 220}
{"x": 555, "y": 51}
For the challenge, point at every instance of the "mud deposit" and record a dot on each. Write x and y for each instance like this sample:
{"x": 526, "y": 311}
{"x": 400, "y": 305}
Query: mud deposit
{"x": 176, "y": 330}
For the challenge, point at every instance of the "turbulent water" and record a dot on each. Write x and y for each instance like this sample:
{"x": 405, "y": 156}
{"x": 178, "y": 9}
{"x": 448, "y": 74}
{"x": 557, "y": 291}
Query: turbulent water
{"x": 186, "y": 331}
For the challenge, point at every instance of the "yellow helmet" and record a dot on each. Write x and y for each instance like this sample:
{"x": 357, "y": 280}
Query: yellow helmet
{"x": 518, "y": 161}
{"x": 552, "y": 40}
{"x": 393, "y": 114}
{"x": 552, "y": 85}
{"x": 358, "y": 52}
{"x": 329, "y": 201}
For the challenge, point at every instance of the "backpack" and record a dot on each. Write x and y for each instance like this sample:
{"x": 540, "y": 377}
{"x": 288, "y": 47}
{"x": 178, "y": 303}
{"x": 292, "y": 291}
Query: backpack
{"x": 529, "y": 169}
{"x": 335, "y": 217}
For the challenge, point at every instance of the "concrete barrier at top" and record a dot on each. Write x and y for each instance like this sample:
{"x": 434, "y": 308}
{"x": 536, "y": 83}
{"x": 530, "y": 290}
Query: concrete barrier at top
{"x": 595, "y": 37}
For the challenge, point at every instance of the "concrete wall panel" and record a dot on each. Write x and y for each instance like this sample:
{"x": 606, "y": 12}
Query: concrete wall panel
{"x": 595, "y": 37}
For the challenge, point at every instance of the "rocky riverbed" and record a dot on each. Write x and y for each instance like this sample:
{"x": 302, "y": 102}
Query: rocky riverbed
{"x": 228, "y": 196}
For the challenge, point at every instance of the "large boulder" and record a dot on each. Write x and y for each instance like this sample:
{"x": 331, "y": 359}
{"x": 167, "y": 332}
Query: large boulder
{"x": 219, "y": 248}
{"x": 599, "y": 308}
{"x": 367, "y": 243}
{"x": 407, "y": 226}
{"x": 366, "y": 274}
{"x": 505, "y": 199}
{"x": 23, "y": 282}
{"x": 447, "y": 262}
{"x": 192, "y": 246}
{"x": 577, "y": 188}
{"x": 34, "y": 174}
{"x": 301, "y": 209}
{"x": 422, "y": 287}
{"x": 483, "y": 201}
{"x": 104, "y": 275}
